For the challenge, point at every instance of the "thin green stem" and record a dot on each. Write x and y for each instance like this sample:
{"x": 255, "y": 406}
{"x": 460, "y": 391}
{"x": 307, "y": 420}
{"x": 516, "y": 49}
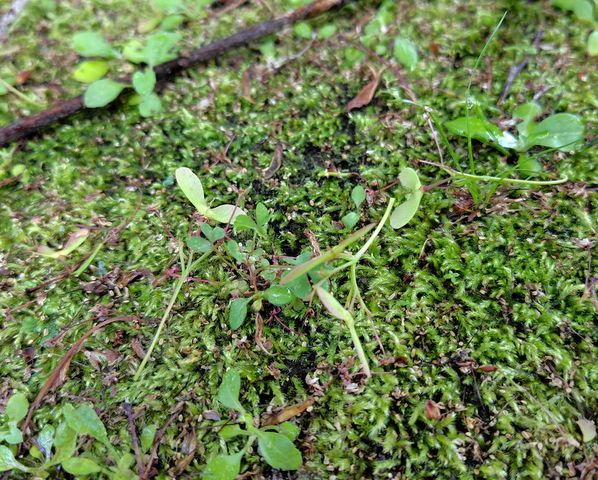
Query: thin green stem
{"x": 358, "y": 347}
{"x": 488, "y": 178}
{"x": 22, "y": 96}
{"x": 368, "y": 244}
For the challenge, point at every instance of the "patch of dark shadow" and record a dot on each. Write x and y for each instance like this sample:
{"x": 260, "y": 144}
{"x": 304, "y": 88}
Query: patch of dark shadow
{"x": 298, "y": 368}
{"x": 348, "y": 127}
{"x": 260, "y": 188}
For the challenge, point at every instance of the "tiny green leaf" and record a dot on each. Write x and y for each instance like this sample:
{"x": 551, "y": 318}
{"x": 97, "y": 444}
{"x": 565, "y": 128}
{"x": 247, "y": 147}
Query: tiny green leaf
{"x": 333, "y": 306}
{"x": 74, "y": 241}
{"x": 588, "y": 429}
{"x": 223, "y": 467}
{"x": 147, "y": 437}
{"x": 171, "y": 22}
{"x": 481, "y": 129}
{"x": 327, "y": 31}
{"x": 358, "y": 195}
{"x": 80, "y": 466}
{"x": 561, "y": 131}
{"x": 409, "y": 179}
{"x": 101, "y": 92}
{"x": 406, "y": 210}
{"x": 85, "y": 421}
{"x": 199, "y": 244}
{"x": 92, "y": 44}
{"x": 65, "y": 441}
{"x": 237, "y": 312}
{"x": 191, "y": 186}
{"x": 528, "y": 166}
{"x": 278, "y": 451}
{"x": 45, "y": 440}
{"x": 527, "y": 111}
{"x": 10, "y": 433}
{"x": 405, "y": 52}
{"x": 8, "y": 461}
{"x": 350, "y": 219}
{"x": 169, "y": 7}
{"x": 289, "y": 430}
{"x": 225, "y": 213}
{"x": 245, "y": 222}
{"x": 228, "y": 392}
{"x": 144, "y": 81}
{"x": 228, "y": 432}
{"x": 17, "y": 407}
{"x": 160, "y": 47}
{"x": 133, "y": 51}
{"x": 90, "y": 70}
{"x": 303, "y": 30}
{"x": 593, "y": 43}
{"x": 150, "y": 105}
{"x": 262, "y": 215}
{"x": 278, "y": 295}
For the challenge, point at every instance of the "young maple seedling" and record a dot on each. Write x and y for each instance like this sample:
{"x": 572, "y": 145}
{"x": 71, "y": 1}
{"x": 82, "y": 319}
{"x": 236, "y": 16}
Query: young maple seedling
{"x": 275, "y": 442}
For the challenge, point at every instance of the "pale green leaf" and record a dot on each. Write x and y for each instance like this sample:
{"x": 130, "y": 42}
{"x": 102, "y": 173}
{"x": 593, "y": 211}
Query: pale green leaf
{"x": 562, "y": 131}
{"x": 237, "y": 312}
{"x": 101, "y": 92}
{"x": 278, "y": 451}
{"x": 358, "y": 195}
{"x": 150, "y": 105}
{"x": 405, "y": 52}
{"x": 223, "y": 467}
{"x": 144, "y": 81}
{"x": 85, "y": 421}
{"x": 191, "y": 186}
{"x": 17, "y": 407}
{"x": 593, "y": 43}
{"x": 406, "y": 210}
{"x": 333, "y": 305}
{"x": 278, "y": 295}
{"x": 74, "y": 241}
{"x": 409, "y": 179}
{"x": 225, "y": 213}
{"x": 8, "y": 460}
{"x": 90, "y": 70}
{"x": 147, "y": 437}
{"x": 228, "y": 392}
{"x": 80, "y": 466}
{"x": 92, "y": 44}
{"x": 588, "y": 429}
{"x": 350, "y": 219}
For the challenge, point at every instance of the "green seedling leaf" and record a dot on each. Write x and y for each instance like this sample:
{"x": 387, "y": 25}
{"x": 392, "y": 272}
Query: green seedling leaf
{"x": 8, "y": 461}
{"x": 232, "y": 247}
{"x": 228, "y": 432}
{"x": 228, "y": 392}
{"x": 144, "y": 81}
{"x": 358, "y": 195}
{"x": 74, "y": 241}
{"x": 333, "y": 306}
{"x": 224, "y": 467}
{"x": 406, "y": 210}
{"x": 171, "y": 22}
{"x": 482, "y": 130}
{"x": 149, "y": 24}
{"x": 588, "y": 429}
{"x": 92, "y": 44}
{"x": 237, "y": 312}
{"x": 278, "y": 295}
{"x": 10, "y": 433}
{"x": 561, "y": 131}
{"x": 17, "y": 407}
{"x": 85, "y": 421}
{"x": 325, "y": 257}
{"x": 45, "y": 440}
{"x": 593, "y": 43}
{"x": 406, "y": 53}
{"x": 527, "y": 112}
{"x": 528, "y": 166}
{"x": 350, "y": 219}
{"x": 191, "y": 186}
{"x": 133, "y": 51}
{"x": 262, "y": 215}
{"x": 90, "y": 70}
{"x": 213, "y": 234}
{"x": 303, "y": 30}
{"x": 245, "y": 222}
{"x": 80, "y": 466}
{"x": 300, "y": 287}
{"x": 278, "y": 451}
{"x": 409, "y": 179}
{"x": 160, "y": 48}
{"x": 147, "y": 437}
{"x": 150, "y": 105}
{"x": 582, "y": 9}
{"x": 65, "y": 442}
{"x": 289, "y": 430}
{"x": 199, "y": 244}
{"x": 225, "y": 213}
{"x": 102, "y": 92}
{"x": 168, "y": 7}
{"x": 327, "y": 31}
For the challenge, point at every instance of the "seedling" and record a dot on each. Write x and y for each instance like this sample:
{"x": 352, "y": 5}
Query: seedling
{"x": 275, "y": 443}
{"x": 191, "y": 186}
{"x": 158, "y": 48}
{"x": 57, "y": 445}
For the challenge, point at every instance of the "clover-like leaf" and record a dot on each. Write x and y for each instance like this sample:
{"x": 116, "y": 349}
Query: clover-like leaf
{"x": 191, "y": 186}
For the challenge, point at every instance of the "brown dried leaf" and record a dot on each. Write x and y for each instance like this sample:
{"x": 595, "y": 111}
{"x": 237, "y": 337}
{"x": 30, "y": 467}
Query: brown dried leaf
{"x": 365, "y": 96}
{"x": 432, "y": 410}
{"x": 488, "y": 368}
{"x": 275, "y": 163}
{"x": 288, "y": 412}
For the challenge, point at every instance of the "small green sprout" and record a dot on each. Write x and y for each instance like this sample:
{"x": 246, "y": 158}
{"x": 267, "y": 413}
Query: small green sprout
{"x": 191, "y": 186}
{"x": 75, "y": 240}
{"x": 275, "y": 443}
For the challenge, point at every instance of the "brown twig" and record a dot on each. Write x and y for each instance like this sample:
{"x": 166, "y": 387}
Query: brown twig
{"x": 33, "y": 123}
{"x": 59, "y": 372}
{"x": 515, "y": 70}
{"x": 134, "y": 440}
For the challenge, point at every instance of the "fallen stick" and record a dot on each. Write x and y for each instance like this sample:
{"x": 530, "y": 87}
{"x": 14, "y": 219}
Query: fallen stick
{"x": 31, "y": 124}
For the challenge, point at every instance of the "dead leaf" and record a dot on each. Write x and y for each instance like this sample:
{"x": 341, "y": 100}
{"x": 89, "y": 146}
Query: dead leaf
{"x": 432, "y": 410}
{"x": 365, "y": 96}
{"x": 488, "y": 368}
{"x": 588, "y": 429}
{"x": 288, "y": 413}
{"x": 23, "y": 76}
{"x": 137, "y": 348}
{"x": 275, "y": 163}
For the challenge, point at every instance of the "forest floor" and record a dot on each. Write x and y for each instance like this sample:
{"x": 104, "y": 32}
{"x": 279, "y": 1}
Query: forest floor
{"x": 482, "y": 334}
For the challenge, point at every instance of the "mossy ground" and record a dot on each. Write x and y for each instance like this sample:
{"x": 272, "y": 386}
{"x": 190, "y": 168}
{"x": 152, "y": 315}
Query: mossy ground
{"x": 459, "y": 286}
